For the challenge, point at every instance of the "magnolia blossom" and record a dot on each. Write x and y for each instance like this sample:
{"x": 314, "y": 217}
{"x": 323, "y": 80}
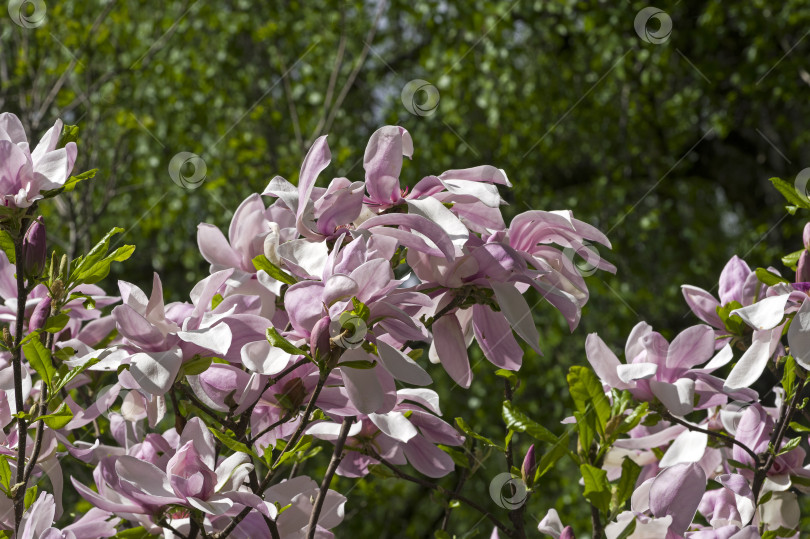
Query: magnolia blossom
{"x": 24, "y": 174}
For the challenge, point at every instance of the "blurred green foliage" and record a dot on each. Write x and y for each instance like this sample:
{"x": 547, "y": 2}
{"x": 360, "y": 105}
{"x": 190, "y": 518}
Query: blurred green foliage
{"x": 666, "y": 147}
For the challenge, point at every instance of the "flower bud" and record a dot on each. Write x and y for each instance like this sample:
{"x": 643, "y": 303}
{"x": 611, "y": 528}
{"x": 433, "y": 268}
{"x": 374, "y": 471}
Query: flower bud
{"x": 35, "y": 249}
{"x": 529, "y": 464}
{"x": 567, "y": 533}
{"x": 806, "y": 236}
{"x": 40, "y": 314}
{"x": 803, "y": 268}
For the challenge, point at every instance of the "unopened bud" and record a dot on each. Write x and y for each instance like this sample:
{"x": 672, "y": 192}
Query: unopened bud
{"x": 35, "y": 249}
{"x": 7, "y": 337}
{"x": 806, "y": 236}
{"x": 567, "y": 533}
{"x": 41, "y": 313}
{"x": 319, "y": 342}
{"x": 58, "y": 289}
{"x": 803, "y": 268}
{"x": 529, "y": 464}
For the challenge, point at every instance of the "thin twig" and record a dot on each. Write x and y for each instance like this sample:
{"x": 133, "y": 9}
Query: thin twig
{"x": 16, "y": 360}
{"x": 712, "y": 433}
{"x": 337, "y": 456}
{"x": 427, "y": 484}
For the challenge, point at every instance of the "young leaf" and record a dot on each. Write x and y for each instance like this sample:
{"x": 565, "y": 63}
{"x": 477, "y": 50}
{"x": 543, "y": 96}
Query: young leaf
{"x": 597, "y": 487}
{"x": 768, "y": 278}
{"x": 64, "y": 377}
{"x": 231, "y": 443}
{"x": 56, "y": 323}
{"x": 7, "y": 246}
{"x": 466, "y": 429}
{"x": 275, "y": 338}
{"x": 586, "y": 390}
{"x": 5, "y": 473}
{"x": 788, "y": 191}
{"x": 519, "y": 422}
{"x": 262, "y": 263}
{"x": 39, "y": 358}
{"x": 627, "y": 481}
{"x": 550, "y": 458}
{"x": 59, "y": 418}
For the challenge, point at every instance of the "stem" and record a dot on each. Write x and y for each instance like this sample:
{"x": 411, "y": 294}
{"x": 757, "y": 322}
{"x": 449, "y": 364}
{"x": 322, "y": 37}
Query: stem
{"x": 251, "y": 440}
{"x": 515, "y": 515}
{"x": 298, "y": 432}
{"x": 337, "y": 456}
{"x": 719, "y": 435}
{"x": 455, "y": 496}
{"x": 16, "y": 361}
{"x": 29, "y": 467}
{"x": 596, "y": 523}
{"x": 785, "y": 415}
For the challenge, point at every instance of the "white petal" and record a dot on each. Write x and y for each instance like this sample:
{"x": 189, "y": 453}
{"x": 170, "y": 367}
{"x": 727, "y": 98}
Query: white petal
{"x": 677, "y": 397}
{"x": 155, "y": 372}
{"x": 401, "y": 366}
{"x": 516, "y": 310}
{"x": 264, "y": 358}
{"x": 636, "y": 371}
{"x": 750, "y": 366}
{"x": 688, "y": 447}
{"x": 217, "y": 339}
{"x": 764, "y": 314}
{"x": 395, "y": 425}
{"x": 799, "y": 336}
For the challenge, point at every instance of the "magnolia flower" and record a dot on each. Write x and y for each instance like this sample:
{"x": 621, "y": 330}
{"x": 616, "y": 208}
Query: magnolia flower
{"x": 675, "y": 492}
{"x": 25, "y": 174}
{"x": 37, "y": 522}
{"x": 656, "y": 369}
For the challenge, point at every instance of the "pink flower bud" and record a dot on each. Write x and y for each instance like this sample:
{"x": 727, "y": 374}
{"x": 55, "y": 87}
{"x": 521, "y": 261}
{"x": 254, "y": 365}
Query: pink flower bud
{"x": 803, "y": 268}
{"x": 35, "y": 248}
{"x": 40, "y": 314}
{"x": 529, "y": 464}
{"x": 567, "y": 533}
{"x": 806, "y": 236}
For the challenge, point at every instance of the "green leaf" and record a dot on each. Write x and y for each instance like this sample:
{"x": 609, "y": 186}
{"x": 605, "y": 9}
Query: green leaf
{"x": 789, "y": 377}
{"x": 216, "y": 300}
{"x": 359, "y": 364}
{"x": 627, "y": 481}
{"x": 798, "y": 427}
{"x": 458, "y": 456}
{"x": 509, "y": 375}
{"x": 133, "y": 533}
{"x": 441, "y": 534}
{"x": 632, "y": 419}
{"x": 360, "y": 309}
{"x": 791, "y": 445}
{"x": 5, "y": 473}
{"x": 518, "y": 421}
{"x": 792, "y": 259}
{"x": 197, "y": 365}
{"x": 550, "y": 458}
{"x": 64, "y": 376}
{"x": 790, "y": 193}
{"x": 769, "y": 278}
{"x": 262, "y": 263}
{"x": 96, "y": 265}
{"x": 588, "y": 395}
{"x": 586, "y": 429}
{"x": 7, "y": 246}
{"x": 232, "y": 443}
{"x": 39, "y": 358}
{"x": 597, "y": 487}
{"x": 56, "y": 323}
{"x": 466, "y": 429}
{"x": 59, "y": 418}
{"x": 275, "y": 338}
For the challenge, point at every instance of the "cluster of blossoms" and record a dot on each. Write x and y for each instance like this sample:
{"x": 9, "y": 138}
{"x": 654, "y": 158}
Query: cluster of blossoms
{"x": 323, "y": 309}
{"x": 326, "y": 315}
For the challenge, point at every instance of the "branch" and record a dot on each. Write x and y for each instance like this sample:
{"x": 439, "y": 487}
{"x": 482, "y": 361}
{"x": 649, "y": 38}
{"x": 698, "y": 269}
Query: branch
{"x": 718, "y": 435}
{"x": 785, "y": 415}
{"x": 16, "y": 360}
{"x": 337, "y": 456}
{"x": 455, "y": 496}
{"x": 298, "y": 432}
